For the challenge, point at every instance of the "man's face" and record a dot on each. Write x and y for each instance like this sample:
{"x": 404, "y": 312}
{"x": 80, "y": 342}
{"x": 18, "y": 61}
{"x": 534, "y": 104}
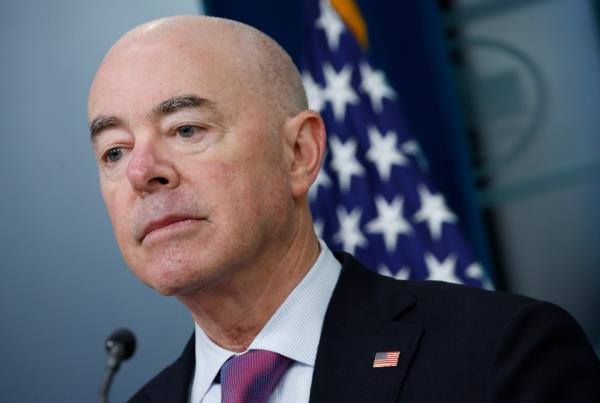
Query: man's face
{"x": 191, "y": 165}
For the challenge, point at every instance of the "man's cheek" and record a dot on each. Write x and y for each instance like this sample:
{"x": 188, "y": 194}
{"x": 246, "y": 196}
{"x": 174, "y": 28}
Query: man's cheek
{"x": 121, "y": 223}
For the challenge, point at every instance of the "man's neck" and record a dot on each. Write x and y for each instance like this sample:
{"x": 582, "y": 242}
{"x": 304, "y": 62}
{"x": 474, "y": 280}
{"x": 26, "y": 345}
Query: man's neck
{"x": 233, "y": 314}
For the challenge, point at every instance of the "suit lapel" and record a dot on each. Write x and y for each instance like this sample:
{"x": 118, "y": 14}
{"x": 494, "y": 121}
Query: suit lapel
{"x": 361, "y": 320}
{"x": 173, "y": 383}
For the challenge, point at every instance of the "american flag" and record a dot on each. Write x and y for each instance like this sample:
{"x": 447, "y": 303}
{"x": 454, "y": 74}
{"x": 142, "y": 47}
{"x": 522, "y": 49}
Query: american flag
{"x": 389, "y": 359}
{"x": 373, "y": 197}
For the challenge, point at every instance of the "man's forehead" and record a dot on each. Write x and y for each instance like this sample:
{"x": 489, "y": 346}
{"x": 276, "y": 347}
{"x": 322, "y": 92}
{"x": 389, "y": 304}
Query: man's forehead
{"x": 215, "y": 39}
{"x": 187, "y": 29}
{"x": 158, "y": 73}
{"x": 227, "y": 62}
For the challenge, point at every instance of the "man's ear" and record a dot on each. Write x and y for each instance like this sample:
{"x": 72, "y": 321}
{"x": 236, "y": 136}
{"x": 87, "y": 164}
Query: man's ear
{"x": 305, "y": 148}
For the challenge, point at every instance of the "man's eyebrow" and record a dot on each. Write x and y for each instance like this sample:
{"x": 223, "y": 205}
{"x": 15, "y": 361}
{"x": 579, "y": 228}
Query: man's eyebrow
{"x": 102, "y": 122}
{"x": 166, "y": 107}
{"x": 178, "y": 103}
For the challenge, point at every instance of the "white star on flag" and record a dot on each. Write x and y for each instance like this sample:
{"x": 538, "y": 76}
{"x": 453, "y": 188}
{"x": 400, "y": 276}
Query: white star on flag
{"x": 322, "y": 180}
{"x": 402, "y": 274}
{"x": 375, "y": 86}
{"x": 384, "y": 152}
{"x": 442, "y": 271}
{"x": 349, "y": 234}
{"x": 318, "y": 225}
{"x": 434, "y": 211}
{"x": 331, "y": 24}
{"x": 314, "y": 92}
{"x": 344, "y": 161}
{"x": 338, "y": 90}
{"x": 475, "y": 271}
{"x": 389, "y": 222}
{"x": 411, "y": 147}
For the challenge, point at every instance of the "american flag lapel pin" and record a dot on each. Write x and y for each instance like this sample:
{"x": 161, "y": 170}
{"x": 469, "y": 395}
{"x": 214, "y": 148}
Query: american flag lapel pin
{"x": 386, "y": 359}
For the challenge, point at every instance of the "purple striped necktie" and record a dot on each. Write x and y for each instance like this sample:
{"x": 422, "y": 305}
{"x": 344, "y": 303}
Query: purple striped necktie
{"x": 252, "y": 376}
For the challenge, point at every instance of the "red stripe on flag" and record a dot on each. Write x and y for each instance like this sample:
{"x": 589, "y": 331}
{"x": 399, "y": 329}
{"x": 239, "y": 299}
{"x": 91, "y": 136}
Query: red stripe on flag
{"x": 387, "y": 359}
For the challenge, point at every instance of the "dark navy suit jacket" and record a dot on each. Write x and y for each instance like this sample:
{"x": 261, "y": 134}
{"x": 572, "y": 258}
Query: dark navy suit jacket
{"x": 457, "y": 344}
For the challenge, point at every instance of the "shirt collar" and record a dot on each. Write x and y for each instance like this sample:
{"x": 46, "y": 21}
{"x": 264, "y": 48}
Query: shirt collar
{"x": 294, "y": 329}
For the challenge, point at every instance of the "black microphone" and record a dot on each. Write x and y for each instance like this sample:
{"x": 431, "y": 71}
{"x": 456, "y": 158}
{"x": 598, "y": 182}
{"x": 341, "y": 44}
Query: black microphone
{"x": 120, "y": 346}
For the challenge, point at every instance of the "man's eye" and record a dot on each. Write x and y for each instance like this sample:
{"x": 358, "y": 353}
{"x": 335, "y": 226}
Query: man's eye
{"x": 187, "y": 131}
{"x": 114, "y": 154}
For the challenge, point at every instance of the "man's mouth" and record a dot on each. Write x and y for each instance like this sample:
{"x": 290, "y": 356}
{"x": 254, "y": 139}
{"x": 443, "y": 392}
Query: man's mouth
{"x": 169, "y": 221}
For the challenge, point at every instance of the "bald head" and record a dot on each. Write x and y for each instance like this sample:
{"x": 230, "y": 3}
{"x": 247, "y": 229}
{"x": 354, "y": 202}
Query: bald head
{"x": 254, "y": 63}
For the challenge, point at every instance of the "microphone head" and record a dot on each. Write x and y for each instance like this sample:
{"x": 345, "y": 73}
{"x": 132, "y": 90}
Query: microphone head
{"x": 123, "y": 341}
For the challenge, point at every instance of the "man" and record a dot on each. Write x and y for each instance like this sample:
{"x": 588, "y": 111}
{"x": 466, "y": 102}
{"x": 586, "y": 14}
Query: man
{"x": 206, "y": 151}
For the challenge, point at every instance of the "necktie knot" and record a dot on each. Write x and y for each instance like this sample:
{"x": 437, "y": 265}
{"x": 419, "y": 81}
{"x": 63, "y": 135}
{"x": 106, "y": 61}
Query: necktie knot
{"x": 252, "y": 376}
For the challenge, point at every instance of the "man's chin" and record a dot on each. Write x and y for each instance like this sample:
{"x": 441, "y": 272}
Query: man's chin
{"x": 163, "y": 276}
{"x": 165, "y": 291}
{"x": 165, "y": 286}
{"x": 171, "y": 288}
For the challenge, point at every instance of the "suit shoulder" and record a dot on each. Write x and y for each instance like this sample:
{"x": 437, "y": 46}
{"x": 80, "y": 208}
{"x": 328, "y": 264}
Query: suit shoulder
{"x": 486, "y": 315}
{"x": 461, "y": 302}
{"x": 433, "y": 298}
{"x": 440, "y": 292}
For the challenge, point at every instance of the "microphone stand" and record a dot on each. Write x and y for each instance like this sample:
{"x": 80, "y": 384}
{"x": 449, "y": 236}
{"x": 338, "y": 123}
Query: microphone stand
{"x": 120, "y": 346}
{"x": 113, "y": 364}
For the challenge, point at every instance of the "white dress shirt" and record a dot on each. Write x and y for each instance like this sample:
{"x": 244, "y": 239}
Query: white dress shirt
{"x": 294, "y": 331}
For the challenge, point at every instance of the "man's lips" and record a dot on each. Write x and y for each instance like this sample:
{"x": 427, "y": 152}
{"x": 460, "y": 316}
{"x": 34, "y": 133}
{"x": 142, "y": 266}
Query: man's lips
{"x": 163, "y": 222}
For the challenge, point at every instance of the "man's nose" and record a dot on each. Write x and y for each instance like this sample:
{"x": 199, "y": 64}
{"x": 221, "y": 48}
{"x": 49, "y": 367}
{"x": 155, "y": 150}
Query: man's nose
{"x": 149, "y": 170}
